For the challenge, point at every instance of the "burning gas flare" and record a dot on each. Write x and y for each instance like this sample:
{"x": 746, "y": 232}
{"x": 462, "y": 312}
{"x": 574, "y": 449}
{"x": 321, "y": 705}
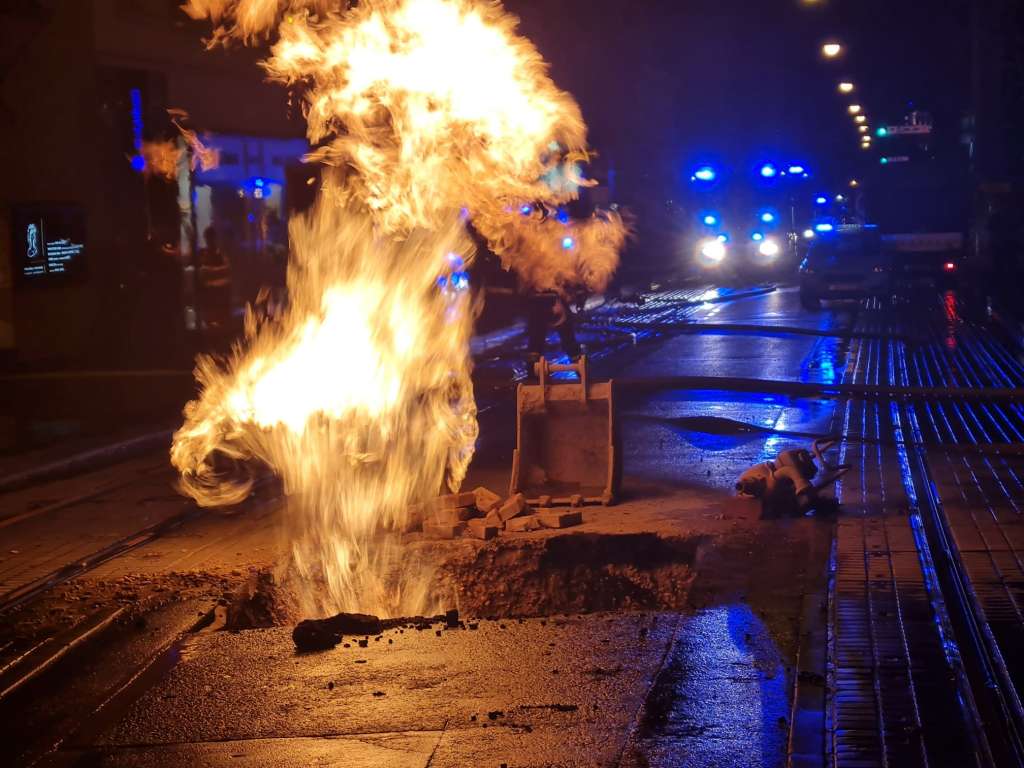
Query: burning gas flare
{"x": 161, "y": 158}
{"x": 359, "y": 397}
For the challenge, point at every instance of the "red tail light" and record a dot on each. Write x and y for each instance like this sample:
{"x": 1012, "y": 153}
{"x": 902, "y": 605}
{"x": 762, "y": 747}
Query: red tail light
{"x": 949, "y": 266}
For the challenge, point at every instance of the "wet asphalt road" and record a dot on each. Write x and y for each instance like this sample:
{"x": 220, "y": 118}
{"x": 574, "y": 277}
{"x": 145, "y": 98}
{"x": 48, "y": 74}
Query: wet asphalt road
{"x": 711, "y": 687}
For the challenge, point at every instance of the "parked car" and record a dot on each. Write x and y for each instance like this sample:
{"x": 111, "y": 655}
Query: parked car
{"x": 846, "y": 263}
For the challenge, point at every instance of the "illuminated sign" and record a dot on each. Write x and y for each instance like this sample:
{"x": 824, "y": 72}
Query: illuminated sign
{"x": 49, "y": 240}
{"x": 907, "y": 130}
{"x": 138, "y": 161}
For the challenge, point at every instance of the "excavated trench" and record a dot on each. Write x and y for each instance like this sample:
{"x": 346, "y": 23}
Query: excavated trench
{"x": 572, "y": 573}
{"x": 518, "y": 577}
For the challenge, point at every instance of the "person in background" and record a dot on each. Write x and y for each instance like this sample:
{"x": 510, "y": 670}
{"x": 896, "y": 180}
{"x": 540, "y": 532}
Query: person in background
{"x": 214, "y": 285}
{"x": 546, "y": 310}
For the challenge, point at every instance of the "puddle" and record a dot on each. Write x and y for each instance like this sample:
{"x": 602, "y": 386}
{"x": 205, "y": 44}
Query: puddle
{"x": 722, "y": 698}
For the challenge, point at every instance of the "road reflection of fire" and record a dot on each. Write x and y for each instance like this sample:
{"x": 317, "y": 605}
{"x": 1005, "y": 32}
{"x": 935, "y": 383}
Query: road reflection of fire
{"x": 359, "y": 396}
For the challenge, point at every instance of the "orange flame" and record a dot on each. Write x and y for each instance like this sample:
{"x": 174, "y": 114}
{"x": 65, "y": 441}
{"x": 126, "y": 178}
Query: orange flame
{"x": 161, "y": 158}
{"x": 359, "y": 396}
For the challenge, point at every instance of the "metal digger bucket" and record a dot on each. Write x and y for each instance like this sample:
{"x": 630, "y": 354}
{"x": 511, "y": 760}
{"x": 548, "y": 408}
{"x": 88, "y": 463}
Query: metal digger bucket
{"x": 566, "y": 438}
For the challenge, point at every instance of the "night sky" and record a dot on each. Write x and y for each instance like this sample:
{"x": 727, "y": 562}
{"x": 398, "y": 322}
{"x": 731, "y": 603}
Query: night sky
{"x": 666, "y": 84}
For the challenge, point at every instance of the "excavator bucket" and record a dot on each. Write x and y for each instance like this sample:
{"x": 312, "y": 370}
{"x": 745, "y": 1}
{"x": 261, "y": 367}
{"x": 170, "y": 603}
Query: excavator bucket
{"x": 566, "y": 437}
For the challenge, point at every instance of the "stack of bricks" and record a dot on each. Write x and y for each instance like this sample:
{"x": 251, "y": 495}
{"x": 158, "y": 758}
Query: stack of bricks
{"x": 483, "y": 514}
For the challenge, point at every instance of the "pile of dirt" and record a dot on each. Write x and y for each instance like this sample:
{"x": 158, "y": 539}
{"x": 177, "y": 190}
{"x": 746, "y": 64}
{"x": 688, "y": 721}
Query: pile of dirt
{"x": 261, "y": 602}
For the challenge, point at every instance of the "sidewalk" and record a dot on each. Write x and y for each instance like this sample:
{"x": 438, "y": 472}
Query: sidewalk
{"x": 67, "y": 423}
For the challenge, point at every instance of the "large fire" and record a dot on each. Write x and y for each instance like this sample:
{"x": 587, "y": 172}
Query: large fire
{"x": 359, "y": 396}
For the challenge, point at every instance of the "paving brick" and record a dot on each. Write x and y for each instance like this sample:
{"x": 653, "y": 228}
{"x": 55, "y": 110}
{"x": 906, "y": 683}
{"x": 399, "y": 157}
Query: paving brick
{"x": 478, "y": 528}
{"x": 414, "y": 518}
{"x": 456, "y": 500}
{"x": 560, "y": 518}
{"x": 443, "y": 531}
{"x": 523, "y": 524}
{"x": 450, "y": 516}
{"x": 486, "y": 499}
{"x": 514, "y": 507}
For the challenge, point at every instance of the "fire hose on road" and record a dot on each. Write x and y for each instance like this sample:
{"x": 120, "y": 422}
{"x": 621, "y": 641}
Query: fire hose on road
{"x": 648, "y": 384}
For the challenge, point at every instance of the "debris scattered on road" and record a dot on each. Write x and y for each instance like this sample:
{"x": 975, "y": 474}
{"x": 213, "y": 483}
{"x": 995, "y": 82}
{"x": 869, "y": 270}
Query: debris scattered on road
{"x": 324, "y": 634}
{"x": 260, "y": 603}
{"x": 481, "y": 514}
{"x": 321, "y": 634}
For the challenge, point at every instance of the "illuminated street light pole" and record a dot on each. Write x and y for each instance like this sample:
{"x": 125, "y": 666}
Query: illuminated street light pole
{"x": 846, "y": 87}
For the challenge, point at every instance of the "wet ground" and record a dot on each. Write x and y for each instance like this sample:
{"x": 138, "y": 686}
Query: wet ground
{"x": 678, "y": 628}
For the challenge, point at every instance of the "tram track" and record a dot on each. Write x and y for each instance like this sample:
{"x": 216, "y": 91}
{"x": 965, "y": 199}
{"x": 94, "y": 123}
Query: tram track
{"x": 21, "y": 663}
{"x": 959, "y": 462}
{"x": 951, "y": 520}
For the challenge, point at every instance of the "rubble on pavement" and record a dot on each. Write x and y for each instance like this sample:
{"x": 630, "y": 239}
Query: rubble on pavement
{"x": 482, "y": 514}
{"x": 324, "y": 634}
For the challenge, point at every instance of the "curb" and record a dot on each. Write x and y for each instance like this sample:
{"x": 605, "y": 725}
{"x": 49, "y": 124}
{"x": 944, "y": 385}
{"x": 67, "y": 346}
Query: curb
{"x": 87, "y": 460}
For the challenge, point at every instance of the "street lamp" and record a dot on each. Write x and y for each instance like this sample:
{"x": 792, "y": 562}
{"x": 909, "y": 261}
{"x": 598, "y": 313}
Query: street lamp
{"x": 831, "y": 50}
{"x": 854, "y": 109}
{"x": 860, "y": 119}
{"x": 863, "y": 129}
{"x": 846, "y": 87}
{"x": 854, "y": 183}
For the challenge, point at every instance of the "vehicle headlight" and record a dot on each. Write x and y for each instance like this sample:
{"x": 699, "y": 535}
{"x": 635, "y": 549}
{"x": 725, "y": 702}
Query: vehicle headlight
{"x": 768, "y": 248}
{"x": 713, "y": 250}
